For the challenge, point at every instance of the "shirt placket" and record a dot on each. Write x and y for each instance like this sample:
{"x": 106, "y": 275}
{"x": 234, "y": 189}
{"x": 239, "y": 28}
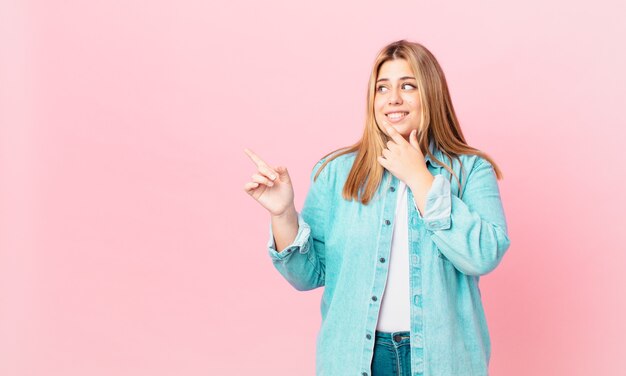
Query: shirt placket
{"x": 383, "y": 251}
{"x": 415, "y": 277}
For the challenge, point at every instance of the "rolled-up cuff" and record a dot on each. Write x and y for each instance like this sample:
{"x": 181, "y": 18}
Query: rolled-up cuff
{"x": 438, "y": 205}
{"x": 300, "y": 243}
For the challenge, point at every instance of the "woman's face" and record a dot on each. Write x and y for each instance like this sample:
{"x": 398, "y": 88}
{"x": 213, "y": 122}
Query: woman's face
{"x": 397, "y": 101}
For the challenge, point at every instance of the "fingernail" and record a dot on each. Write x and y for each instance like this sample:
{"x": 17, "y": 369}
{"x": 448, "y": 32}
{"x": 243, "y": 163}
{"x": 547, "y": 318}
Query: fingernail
{"x": 273, "y": 177}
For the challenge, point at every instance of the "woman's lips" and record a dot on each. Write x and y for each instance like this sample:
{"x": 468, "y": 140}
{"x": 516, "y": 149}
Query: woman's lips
{"x": 396, "y": 117}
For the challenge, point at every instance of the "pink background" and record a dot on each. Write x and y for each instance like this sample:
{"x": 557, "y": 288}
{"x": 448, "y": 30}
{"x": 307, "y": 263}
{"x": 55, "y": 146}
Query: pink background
{"x": 127, "y": 243}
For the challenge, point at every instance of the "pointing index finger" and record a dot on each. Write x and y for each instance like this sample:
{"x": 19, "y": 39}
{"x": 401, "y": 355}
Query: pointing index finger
{"x": 255, "y": 158}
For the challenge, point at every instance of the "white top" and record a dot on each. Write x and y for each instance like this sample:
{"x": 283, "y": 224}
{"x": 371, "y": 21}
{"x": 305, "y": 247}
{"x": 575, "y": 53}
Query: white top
{"x": 395, "y": 309}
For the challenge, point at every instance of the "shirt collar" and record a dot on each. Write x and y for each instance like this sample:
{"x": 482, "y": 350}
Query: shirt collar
{"x": 433, "y": 150}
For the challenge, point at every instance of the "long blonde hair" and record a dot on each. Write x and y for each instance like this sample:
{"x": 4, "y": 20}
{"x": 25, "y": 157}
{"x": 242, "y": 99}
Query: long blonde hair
{"x": 438, "y": 119}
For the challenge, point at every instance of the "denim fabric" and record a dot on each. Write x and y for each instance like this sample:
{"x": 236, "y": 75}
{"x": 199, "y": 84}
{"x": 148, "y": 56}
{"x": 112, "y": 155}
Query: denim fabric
{"x": 392, "y": 354}
{"x": 345, "y": 246}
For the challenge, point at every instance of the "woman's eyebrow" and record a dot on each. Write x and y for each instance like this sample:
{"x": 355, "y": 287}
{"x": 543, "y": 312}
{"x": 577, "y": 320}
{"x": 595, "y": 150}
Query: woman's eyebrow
{"x": 400, "y": 79}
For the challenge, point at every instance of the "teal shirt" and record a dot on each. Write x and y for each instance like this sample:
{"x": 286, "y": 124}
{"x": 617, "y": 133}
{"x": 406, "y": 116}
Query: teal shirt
{"x": 345, "y": 246}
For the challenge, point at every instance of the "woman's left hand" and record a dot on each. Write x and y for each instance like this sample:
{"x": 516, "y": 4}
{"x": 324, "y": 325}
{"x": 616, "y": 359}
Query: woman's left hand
{"x": 405, "y": 160}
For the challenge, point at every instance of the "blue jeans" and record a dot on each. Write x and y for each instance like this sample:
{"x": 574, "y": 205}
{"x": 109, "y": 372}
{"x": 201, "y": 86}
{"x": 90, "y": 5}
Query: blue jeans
{"x": 392, "y": 354}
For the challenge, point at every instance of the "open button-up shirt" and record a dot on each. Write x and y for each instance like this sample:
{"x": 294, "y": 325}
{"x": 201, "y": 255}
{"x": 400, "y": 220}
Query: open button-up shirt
{"x": 344, "y": 246}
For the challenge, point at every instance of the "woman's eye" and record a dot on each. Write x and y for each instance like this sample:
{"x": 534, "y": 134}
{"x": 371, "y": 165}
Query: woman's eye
{"x": 381, "y": 89}
{"x": 408, "y": 86}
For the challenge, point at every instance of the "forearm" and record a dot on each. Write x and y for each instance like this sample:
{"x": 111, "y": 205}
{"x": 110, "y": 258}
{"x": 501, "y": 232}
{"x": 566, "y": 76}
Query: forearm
{"x": 474, "y": 244}
{"x": 301, "y": 261}
{"x": 420, "y": 185}
{"x": 285, "y": 228}
{"x": 470, "y": 232}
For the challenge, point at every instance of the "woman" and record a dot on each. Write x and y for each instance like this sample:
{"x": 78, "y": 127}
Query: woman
{"x": 398, "y": 228}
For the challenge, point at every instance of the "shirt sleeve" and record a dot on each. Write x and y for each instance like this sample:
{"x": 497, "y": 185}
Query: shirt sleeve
{"x": 438, "y": 205}
{"x": 302, "y": 263}
{"x": 299, "y": 243}
{"x": 473, "y": 236}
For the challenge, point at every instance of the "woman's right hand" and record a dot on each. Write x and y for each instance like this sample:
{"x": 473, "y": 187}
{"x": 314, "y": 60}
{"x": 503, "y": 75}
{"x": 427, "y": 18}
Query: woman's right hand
{"x": 271, "y": 187}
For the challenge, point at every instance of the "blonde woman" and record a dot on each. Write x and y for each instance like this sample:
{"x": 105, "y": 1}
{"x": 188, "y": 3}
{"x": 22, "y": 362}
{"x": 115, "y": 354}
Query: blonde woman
{"x": 398, "y": 228}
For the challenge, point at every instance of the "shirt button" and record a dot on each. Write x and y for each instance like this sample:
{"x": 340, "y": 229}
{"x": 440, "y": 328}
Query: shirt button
{"x": 392, "y": 189}
{"x": 364, "y": 374}
{"x": 387, "y": 222}
{"x": 417, "y": 341}
{"x": 382, "y": 259}
{"x": 289, "y": 250}
{"x": 374, "y": 298}
{"x": 368, "y": 336}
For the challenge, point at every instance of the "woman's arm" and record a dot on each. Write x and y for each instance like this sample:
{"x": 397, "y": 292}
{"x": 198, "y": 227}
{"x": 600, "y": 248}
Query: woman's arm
{"x": 302, "y": 261}
{"x": 474, "y": 236}
{"x": 285, "y": 228}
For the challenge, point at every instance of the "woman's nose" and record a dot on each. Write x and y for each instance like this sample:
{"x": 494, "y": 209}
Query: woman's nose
{"x": 394, "y": 97}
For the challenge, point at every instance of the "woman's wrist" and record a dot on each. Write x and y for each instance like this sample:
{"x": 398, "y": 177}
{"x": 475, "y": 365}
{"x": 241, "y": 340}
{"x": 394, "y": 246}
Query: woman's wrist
{"x": 420, "y": 186}
{"x": 285, "y": 228}
{"x": 421, "y": 182}
{"x": 290, "y": 212}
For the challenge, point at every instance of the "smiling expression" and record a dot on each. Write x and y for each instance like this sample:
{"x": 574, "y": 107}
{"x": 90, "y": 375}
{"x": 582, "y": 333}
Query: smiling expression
{"x": 397, "y": 101}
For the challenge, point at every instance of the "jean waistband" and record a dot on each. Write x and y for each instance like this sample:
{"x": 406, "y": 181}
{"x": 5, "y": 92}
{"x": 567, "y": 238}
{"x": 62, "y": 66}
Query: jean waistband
{"x": 397, "y": 338}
